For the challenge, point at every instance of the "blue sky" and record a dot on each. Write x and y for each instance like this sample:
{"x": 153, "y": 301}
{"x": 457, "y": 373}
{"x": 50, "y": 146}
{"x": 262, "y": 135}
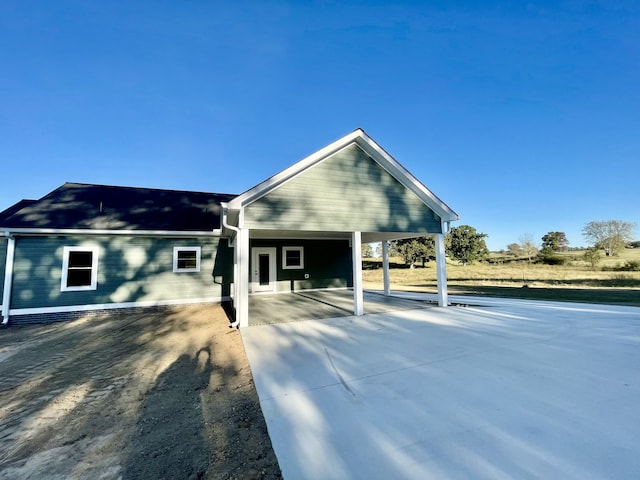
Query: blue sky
{"x": 523, "y": 116}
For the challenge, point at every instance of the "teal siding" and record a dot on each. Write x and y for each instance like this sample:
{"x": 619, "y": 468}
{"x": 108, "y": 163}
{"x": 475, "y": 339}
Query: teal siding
{"x": 346, "y": 192}
{"x": 3, "y": 263}
{"x": 130, "y": 269}
{"x": 327, "y": 262}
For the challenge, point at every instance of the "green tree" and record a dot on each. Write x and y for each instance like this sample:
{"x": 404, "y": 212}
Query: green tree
{"x": 609, "y": 235}
{"x": 549, "y": 256}
{"x": 592, "y": 255}
{"x": 556, "y": 241}
{"x": 413, "y": 250}
{"x": 515, "y": 249}
{"x": 466, "y": 245}
{"x": 367, "y": 250}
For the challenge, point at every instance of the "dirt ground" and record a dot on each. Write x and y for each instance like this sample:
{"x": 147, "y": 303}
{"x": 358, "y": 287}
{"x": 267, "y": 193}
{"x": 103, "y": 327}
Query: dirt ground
{"x": 133, "y": 396}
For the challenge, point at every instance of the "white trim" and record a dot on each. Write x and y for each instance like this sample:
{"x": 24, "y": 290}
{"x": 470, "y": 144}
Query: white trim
{"x": 113, "y": 306}
{"x": 241, "y": 301}
{"x": 261, "y": 189}
{"x": 385, "y": 268}
{"x": 369, "y": 146}
{"x": 65, "y": 269}
{"x": 83, "y": 231}
{"x": 441, "y": 271}
{"x": 177, "y": 250}
{"x": 405, "y": 177}
{"x": 272, "y": 252}
{"x": 8, "y": 279}
{"x": 356, "y": 253}
{"x": 284, "y": 258}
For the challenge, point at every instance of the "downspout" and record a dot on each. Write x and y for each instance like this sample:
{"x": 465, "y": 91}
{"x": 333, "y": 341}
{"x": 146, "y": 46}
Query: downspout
{"x": 225, "y": 224}
{"x": 8, "y": 277}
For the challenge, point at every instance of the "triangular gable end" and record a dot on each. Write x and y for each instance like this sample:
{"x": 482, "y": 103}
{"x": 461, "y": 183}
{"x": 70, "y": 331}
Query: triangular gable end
{"x": 348, "y": 191}
{"x": 368, "y": 146}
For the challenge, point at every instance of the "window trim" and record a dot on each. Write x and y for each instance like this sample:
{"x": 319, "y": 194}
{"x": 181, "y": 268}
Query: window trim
{"x": 65, "y": 269}
{"x": 284, "y": 258}
{"x": 177, "y": 250}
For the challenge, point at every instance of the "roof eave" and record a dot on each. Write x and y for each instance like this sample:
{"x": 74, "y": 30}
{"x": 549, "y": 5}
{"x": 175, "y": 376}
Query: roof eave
{"x": 369, "y": 146}
{"x": 278, "y": 179}
{"x": 406, "y": 178}
{"x": 87, "y": 231}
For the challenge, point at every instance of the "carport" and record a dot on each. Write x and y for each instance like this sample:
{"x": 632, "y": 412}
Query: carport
{"x": 348, "y": 193}
{"x": 318, "y": 304}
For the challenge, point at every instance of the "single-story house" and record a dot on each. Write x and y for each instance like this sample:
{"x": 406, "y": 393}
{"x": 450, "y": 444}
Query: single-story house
{"x": 92, "y": 247}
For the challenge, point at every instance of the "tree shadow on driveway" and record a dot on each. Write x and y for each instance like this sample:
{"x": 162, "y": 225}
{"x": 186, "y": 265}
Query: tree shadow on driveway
{"x": 157, "y": 451}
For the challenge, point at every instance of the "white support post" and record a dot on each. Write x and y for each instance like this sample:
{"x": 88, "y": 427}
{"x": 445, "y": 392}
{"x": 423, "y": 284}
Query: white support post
{"x": 8, "y": 279}
{"x": 242, "y": 280}
{"x": 441, "y": 271}
{"x": 385, "y": 267}
{"x": 356, "y": 253}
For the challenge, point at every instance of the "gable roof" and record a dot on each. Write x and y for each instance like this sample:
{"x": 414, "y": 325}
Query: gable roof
{"x": 102, "y": 207}
{"x": 14, "y": 208}
{"x": 371, "y": 148}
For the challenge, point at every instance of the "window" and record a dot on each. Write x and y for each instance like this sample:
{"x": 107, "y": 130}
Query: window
{"x": 79, "y": 269}
{"x": 292, "y": 258}
{"x": 186, "y": 259}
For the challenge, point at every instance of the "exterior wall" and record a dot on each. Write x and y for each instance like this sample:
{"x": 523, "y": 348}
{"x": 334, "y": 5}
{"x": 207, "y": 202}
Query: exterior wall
{"x": 346, "y": 192}
{"x": 327, "y": 262}
{"x": 130, "y": 269}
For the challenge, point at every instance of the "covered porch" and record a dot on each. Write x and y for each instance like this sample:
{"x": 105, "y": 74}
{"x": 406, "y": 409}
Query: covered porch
{"x": 265, "y": 292}
{"x": 303, "y": 229}
{"x": 319, "y": 304}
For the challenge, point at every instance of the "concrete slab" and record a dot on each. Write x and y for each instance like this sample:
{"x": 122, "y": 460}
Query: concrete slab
{"x": 317, "y": 304}
{"x": 509, "y": 389}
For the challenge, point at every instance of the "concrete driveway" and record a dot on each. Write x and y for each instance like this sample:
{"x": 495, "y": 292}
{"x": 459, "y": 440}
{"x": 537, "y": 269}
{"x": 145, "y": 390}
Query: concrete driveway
{"x": 503, "y": 389}
{"x": 319, "y": 304}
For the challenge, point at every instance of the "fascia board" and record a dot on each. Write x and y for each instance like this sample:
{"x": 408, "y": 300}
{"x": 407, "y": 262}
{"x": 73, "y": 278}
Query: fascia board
{"x": 406, "y": 178}
{"x": 82, "y": 231}
{"x": 386, "y": 161}
{"x": 278, "y": 179}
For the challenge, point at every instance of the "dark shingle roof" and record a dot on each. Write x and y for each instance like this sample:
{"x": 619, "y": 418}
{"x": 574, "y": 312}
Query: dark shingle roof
{"x": 83, "y": 206}
{"x": 14, "y": 208}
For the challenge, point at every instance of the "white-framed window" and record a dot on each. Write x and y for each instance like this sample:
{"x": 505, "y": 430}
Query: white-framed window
{"x": 292, "y": 258}
{"x": 79, "y": 269}
{"x": 186, "y": 259}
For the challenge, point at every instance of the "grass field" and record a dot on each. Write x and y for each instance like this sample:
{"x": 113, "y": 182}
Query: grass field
{"x": 574, "y": 281}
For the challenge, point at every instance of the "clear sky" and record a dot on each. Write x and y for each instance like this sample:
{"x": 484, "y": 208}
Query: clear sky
{"x": 524, "y": 117}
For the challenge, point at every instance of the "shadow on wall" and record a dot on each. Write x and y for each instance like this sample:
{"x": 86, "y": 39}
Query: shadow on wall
{"x": 130, "y": 269}
{"x": 223, "y": 267}
{"x": 349, "y": 192}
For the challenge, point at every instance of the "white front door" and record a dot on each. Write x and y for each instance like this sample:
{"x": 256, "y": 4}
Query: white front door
{"x": 263, "y": 269}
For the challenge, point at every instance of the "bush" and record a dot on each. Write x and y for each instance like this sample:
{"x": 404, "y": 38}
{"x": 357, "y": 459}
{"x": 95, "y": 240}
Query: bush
{"x": 553, "y": 260}
{"x": 629, "y": 266}
{"x": 549, "y": 257}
